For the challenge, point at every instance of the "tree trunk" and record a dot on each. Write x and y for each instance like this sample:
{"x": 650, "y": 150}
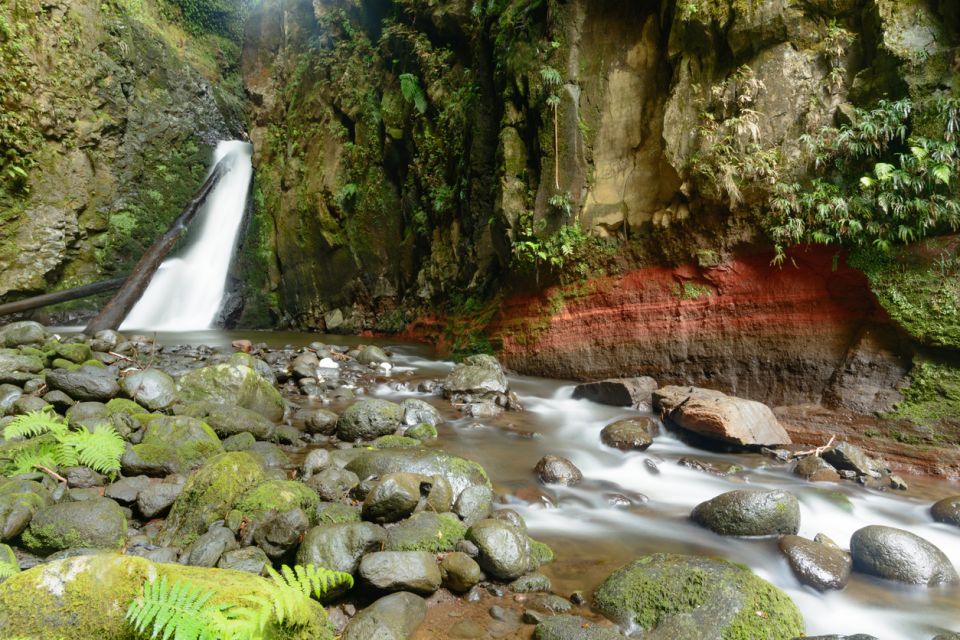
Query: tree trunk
{"x": 120, "y": 305}
{"x": 61, "y": 296}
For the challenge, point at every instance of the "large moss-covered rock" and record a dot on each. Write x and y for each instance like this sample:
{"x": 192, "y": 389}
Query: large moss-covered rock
{"x": 750, "y": 512}
{"x": 209, "y": 495}
{"x": 19, "y": 501}
{"x": 279, "y": 496}
{"x": 233, "y": 384}
{"x": 369, "y": 419}
{"x": 20, "y": 333}
{"x": 151, "y": 388}
{"x": 426, "y": 531}
{"x": 459, "y": 472}
{"x": 172, "y": 445}
{"x": 228, "y": 420}
{"x": 87, "y": 597}
{"x": 504, "y": 551}
{"x": 91, "y": 524}
{"x": 679, "y": 597}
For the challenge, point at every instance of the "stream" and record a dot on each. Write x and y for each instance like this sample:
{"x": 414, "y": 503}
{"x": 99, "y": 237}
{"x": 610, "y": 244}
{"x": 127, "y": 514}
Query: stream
{"x": 636, "y": 503}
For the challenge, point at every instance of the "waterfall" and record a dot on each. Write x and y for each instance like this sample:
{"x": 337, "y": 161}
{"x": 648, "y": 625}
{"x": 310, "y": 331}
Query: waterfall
{"x": 188, "y": 289}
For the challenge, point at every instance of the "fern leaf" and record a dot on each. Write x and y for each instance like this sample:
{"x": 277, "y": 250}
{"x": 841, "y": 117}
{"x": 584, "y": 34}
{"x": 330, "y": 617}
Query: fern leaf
{"x": 410, "y": 88}
{"x": 178, "y": 611}
{"x": 313, "y": 581}
{"x": 100, "y": 450}
{"x": 8, "y": 569}
{"x": 28, "y": 461}
{"x": 35, "y": 423}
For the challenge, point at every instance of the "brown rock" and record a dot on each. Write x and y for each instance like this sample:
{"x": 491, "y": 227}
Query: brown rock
{"x": 715, "y": 415}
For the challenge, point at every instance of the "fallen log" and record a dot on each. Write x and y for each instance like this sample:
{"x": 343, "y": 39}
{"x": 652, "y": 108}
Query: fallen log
{"x": 120, "y": 305}
{"x": 61, "y": 296}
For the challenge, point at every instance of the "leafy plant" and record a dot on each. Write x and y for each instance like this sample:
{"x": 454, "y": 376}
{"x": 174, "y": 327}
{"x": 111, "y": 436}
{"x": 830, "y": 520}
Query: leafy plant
{"x": 7, "y": 570}
{"x": 552, "y": 80}
{"x": 183, "y": 611}
{"x": 412, "y": 92}
{"x": 55, "y": 444}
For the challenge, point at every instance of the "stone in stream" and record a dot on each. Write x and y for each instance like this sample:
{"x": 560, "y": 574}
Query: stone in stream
{"x": 849, "y": 457}
{"x": 321, "y": 422}
{"x": 19, "y": 501}
{"x": 474, "y": 504}
{"x": 634, "y": 434}
{"x": 419, "y": 412}
{"x": 817, "y": 565}
{"x": 234, "y": 385}
{"x": 477, "y": 377}
{"x": 677, "y": 597}
{"x": 369, "y": 419}
{"x": 899, "y": 555}
{"x": 393, "y": 617}
{"x": 503, "y": 550}
{"x": 150, "y": 388}
{"x": 98, "y": 523}
{"x": 717, "y": 416}
{"x": 395, "y": 497}
{"x": 816, "y": 469}
{"x": 86, "y": 383}
{"x": 340, "y": 547}
{"x": 557, "y": 470}
{"x": 333, "y": 484}
{"x": 228, "y": 420}
{"x": 281, "y": 532}
{"x": 21, "y": 333}
{"x": 371, "y": 354}
{"x": 567, "y": 627}
{"x": 749, "y": 512}
{"x": 947, "y": 511}
{"x": 171, "y": 444}
{"x": 459, "y": 472}
{"x": 618, "y": 392}
{"x": 415, "y": 571}
{"x": 460, "y": 572}
{"x": 426, "y": 531}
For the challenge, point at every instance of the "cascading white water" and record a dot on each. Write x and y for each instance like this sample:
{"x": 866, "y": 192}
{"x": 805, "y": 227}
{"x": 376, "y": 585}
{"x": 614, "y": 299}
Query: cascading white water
{"x": 188, "y": 289}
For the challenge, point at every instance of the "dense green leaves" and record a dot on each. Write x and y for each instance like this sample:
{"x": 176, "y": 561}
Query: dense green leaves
{"x": 54, "y": 444}
{"x": 222, "y": 17}
{"x": 879, "y": 181}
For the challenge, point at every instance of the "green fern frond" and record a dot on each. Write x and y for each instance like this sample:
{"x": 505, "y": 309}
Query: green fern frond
{"x": 8, "y": 569}
{"x": 29, "y": 461}
{"x": 178, "y": 611}
{"x": 410, "y": 88}
{"x": 100, "y": 450}
{"x": 35, "y": 423}
{"x": 313, "y": 581}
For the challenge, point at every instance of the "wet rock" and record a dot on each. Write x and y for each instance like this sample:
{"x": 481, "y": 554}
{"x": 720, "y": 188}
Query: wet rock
{"x": 749, "y": 512}
{"x": 817, "y": 565}
{"x": 557, "y": 470}
{"x": 619, "y": 392}
{"x": 86, "y": 383}
{"x": 635, "y": 434}
{"x": 393, "y": 617}
{"x": 340, "y": 546}
{"x": 305, "y": 365}
{"x": 370, "y": 354}
{"x": 233, "y": 385}
{"x": 421, "y": 432}
{"x": 150, "y": 388}
{"x": 208, "y": 548}
{"x": 419, "y": 412}
{"x": 947, "y": 511}
{"x": 316, "y": 460}
{"x": 721, "y": 417}
{"x": 567, "y": 627}
{"x": 530, "y": 583}
{"x": 816, "y": 469}
{"x": 281, "y": 532}
{"x": 209, "y": 494}
{"x": 477, "y": 377}
{"x": 503, "y": 551}
{"x": 97, "y": 523}
{"x": 333, "y": 484}
{"x": 16, "y": 334}
{"x": 59, "y": 401}
{"x": 849, "y": 457}
{"x": 551, "y": 603}
{"x": 680, "y": 597}
{"x": 275, "y": 496}
{"x": 460, "y": 572}
{"x": 335, "y": 512}
{"x": 19, "y": 501}
{"x": 82, "y": 477}
{"x": 27, "y": 404}
{"x": 460, "y": 473}
{"x": 171, "y": 445}
{"x": 75, "y": 352}
{"x": 270, "y": 455}
{"x": 9, "y": 394}
{"x": 157, "y": 497}
{"x": 426, "y": 531}
{"x": 395, "y": 497}
{"x": 369, "y": 419}
{"x": 12, "y": 363}
{"x": 899, "y": 555}
{"x": 126, "y": 490}
{"x": 249, "y": 559}
{"x": 401, "y": 571}
{"x": 238, "y": 442}
{"x": 228, "y": 420}
{"x": 898, "y": 483}
{"x": 321, "y": 422}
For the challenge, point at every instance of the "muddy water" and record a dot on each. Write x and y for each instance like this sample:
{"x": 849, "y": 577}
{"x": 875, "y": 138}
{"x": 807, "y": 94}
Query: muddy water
{"x": 635, "y": 503}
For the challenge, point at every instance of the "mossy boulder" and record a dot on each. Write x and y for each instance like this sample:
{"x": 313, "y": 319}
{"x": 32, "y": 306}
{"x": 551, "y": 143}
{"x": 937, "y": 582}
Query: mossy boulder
{"x": 93, "y": 524}
{"x": 172, "y": 445}
{"x": 340, "y": 546}
{"x": 229, "y": 420}
{"x": 504, "y": 551}
{"x": 369, "y": 419}
{"x": 426, "y": 531}
{"x": 19, "y": 501}
{"x": 154, "y": 389}
{"x": 20, "y": 333}
{"x": 209, "y": 495}
{"x": 395, "y": 442}
{"x": 85, "y": 383}
{"x": 75, "y": 352}
{"x": 680, "y": 597}
{"x": 235, "y": 385}
{"x": 86, "y": 598}
{"x": 279, "y": 496}
{"x": 459, "y": 472}
{"x": 750, "y": 512}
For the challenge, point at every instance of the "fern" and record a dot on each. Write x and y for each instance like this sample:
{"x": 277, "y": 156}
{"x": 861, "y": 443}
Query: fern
{"x": 7, "y": 570}
{"x": 179, "y": 611}
{"x": 46, "y": 455}
{"x": 35, "y": 423}
{"x": 410, "y": 88}
{"x": 100, "y": 450}
{"x": 313, "y": 581}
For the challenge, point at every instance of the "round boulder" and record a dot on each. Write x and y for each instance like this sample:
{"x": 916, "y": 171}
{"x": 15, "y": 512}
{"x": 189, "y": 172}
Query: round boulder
{"x": 503, "y": 550}
{"x": 150, "y": 388}
{"x": 97, "y": 524}
{"x": 895, "y": 554}
{"x": 750, "y": 512}
{"x": 947, "y": 511}
{"x": 86, "y": 383}
{"x": 557, "y": 470}
{"x": 415, "y": 571}
{"x": 817, "y": 565}
{"x": 634, "y": 434}
{"x": 339, "y": 547}
{"x": 369, "y": 419}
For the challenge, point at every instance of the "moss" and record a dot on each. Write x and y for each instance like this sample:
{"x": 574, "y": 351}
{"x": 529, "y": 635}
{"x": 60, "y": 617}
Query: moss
{"x": 932, "y": 396}
{"x": 209, "y": 494}
{"x": 540, "y": 552}
{"x": 336, "y": 513}
{"x": 427, "y": 531}
{"x": 128, "y": 407}
{"x": 278, "y": 496}
{"x": 395, "y": 442}
{"x": 423, "y": 431}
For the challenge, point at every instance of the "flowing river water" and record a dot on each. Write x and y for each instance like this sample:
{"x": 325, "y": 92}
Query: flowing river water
{"x": 636, "y": 503}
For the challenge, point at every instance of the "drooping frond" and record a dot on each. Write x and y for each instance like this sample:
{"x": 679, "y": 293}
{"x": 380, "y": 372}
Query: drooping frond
{"x": 178, "y": 611}
{"x": 412, "y": 92}
{"x": 8, "y": 569}
{"x": 45, "y": 455}
{"x": 313, "y": 581}
{"x": 35, "y": 423}
{"x": 100, "y": 450}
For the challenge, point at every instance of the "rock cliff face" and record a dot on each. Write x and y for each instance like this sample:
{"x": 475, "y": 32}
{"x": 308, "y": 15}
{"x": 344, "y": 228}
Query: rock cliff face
{"x": 111, "y": 109}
